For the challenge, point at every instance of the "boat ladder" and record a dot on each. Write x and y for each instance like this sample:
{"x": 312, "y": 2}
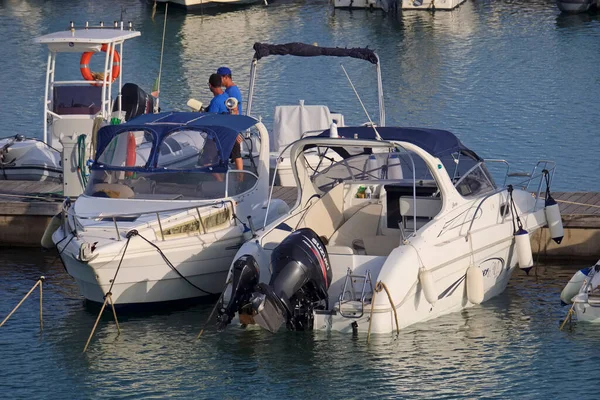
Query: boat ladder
{"x": 355, "y": 305}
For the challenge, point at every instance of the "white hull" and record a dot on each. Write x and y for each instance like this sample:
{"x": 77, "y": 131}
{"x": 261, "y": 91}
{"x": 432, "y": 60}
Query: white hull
{"x": 575, "y": 6}
{"x": 30, "y": 160}
{"x": 587, "y": 312}
{"x": 213, "y": 3}
{"x": 498, "y": 263}
{"x": 144, "y": 277}
{"x": 431, "y": 4}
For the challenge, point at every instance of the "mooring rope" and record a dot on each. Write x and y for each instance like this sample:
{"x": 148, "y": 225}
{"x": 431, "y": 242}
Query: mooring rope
{"x": 577, "y": 204}
{"x": 378, "y": 288}
{"x": 167, "y": 261}
{"x": 39, "y": 282}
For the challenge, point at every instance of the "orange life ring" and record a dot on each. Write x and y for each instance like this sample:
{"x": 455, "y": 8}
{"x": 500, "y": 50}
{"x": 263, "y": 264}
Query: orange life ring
{"x": 84, "y": 66}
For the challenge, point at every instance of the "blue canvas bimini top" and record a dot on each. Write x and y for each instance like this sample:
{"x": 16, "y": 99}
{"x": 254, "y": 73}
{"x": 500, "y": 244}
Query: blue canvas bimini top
{"x": 436, "y": 142}
{"x": 224, "y": 128}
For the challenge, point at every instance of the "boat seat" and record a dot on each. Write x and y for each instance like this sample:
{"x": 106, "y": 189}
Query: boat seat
{"x": 363, "y": 222}
{"x": 426, "y": 209}
{"x": 341, "y": 250}
{"x": 380, "y": 245}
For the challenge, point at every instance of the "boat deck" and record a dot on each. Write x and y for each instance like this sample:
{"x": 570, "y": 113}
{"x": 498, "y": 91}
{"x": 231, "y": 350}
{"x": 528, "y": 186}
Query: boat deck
{"x": 26, "y": 208}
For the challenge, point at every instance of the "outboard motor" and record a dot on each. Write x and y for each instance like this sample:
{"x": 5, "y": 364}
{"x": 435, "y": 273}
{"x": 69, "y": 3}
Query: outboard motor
{"x": 237, "y": 294}
{"x": 301, "y": 275}
{"x": 134, "y": 101}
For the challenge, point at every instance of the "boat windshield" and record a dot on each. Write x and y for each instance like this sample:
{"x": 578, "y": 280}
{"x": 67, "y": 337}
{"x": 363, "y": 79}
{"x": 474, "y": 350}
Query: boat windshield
{"x": 361, "y": 164}
{"x": 469, "y": 174}
{"x": 186, "y": 164}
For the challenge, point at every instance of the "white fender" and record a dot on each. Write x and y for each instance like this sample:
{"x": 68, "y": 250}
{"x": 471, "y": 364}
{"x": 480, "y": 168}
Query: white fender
{"x": 554, "y": 220}
{"x": 523, "y": 245}
{"x": 394, "y": 167}
{"x": 428, "y": 286}
{"x": 574, "y": 285}
{"x": 54, "y": 224}
{"x": 372, "y": 167}
{"x": 333, "y": 131}
{"x": 474, "y": 284}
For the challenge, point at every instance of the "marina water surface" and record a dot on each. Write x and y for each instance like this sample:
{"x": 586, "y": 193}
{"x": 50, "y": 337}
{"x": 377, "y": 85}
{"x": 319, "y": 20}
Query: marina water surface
{"x": 513, "y": 78}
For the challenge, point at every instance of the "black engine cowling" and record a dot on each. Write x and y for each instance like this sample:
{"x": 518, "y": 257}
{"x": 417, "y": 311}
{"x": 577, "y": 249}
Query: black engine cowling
{"x": 301, "y": 275}
{"x": 134, "y": 101}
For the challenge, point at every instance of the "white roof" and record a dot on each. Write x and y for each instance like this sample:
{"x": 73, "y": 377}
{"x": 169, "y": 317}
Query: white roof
{"x": 82, "y": 35}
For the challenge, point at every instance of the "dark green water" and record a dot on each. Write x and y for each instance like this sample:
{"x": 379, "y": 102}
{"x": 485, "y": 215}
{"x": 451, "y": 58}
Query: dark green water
{"x": 514, "y": 79}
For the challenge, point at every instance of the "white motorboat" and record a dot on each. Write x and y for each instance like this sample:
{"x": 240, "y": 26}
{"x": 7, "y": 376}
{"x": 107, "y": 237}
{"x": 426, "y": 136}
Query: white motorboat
{"x": 293, "y": 122}
{"x": 583, "y": 291}
{"x": 163, "y": 214}
{"x": 576, "y": 6}
{"x": 416, "y": 215}
{"x": 75, "y": 109}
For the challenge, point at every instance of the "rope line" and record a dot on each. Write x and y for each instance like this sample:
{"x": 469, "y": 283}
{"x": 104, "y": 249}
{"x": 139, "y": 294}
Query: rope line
{"x": 576, "y": 203}
{"x": 164, "y": 257}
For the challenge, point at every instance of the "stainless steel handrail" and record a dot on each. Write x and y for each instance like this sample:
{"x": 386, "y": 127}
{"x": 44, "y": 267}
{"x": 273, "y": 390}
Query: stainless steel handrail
{"x": 497, "y": 160}
{"x": 115, "y": 216}
{"x": 497, "y": 191}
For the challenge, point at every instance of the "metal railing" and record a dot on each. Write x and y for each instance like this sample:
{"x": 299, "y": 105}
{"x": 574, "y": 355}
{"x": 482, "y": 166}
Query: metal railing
{"x": 524, "y": 184}
{"x": 66, "y": 213}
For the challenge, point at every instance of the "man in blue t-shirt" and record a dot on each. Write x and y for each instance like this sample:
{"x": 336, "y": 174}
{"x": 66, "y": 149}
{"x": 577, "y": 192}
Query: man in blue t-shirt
{"x": 217, "y": 104}
{"x": 230, "y": 87}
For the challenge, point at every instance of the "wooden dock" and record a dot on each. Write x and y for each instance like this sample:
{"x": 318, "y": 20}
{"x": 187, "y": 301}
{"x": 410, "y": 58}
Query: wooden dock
{"x": 27, "y": 207}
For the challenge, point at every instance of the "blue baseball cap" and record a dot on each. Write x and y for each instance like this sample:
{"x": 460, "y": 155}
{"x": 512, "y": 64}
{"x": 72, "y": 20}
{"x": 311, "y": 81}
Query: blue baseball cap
{"x": 224, "y": 71}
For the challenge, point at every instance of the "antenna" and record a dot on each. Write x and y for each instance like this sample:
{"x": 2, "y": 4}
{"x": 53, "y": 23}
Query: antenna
{"x": 377, "y": 135}
{"x": 162, "y": 49}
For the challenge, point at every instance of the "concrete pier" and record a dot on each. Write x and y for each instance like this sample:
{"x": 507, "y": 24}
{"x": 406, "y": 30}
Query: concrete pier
{"x": 27, "y": 207}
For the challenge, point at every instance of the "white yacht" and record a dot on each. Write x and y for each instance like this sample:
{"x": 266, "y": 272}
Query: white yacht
{"x": 75, "y": 109}
{"x": 400, "y": 230}
{"x": 164, "y": 213}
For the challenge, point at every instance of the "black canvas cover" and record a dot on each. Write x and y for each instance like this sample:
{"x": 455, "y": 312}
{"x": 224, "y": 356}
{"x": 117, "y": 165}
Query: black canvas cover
{"x": 307, "y": 50}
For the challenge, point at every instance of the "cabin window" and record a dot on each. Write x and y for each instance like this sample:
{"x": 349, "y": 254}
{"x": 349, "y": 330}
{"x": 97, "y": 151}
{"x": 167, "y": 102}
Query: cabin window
{"x": 475, "y": 182}
{"x": 187, "y": 149}
{"x": 127, "y": 149}
{"x": 77, "y": 100}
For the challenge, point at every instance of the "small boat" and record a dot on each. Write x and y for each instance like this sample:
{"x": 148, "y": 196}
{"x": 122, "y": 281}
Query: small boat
{"x": 164, "y": 213}
{"x": 293, "y": 122}
{"x": 583, "y": 291}
{"x": 576, "y": 6}
{"x": 411, "y": 212}
{"x": 74, "y": 109}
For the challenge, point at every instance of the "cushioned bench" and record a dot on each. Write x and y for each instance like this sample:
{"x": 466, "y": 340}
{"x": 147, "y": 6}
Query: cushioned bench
{"x": 426, "y": 208}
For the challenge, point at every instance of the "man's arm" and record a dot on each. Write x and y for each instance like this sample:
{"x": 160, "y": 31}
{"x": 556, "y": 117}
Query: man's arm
{"x": 239, "y": 164}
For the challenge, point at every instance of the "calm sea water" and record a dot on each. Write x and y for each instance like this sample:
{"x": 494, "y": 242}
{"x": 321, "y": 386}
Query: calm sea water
{"x": 509, "y": 347}
{"x": 513, "y": 79}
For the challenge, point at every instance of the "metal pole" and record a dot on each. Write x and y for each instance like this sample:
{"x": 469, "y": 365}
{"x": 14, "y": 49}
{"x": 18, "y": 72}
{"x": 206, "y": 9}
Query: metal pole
{"x": 251, "y": 89}
{"x": 46, "y": 97}
{"x": 380, "y": 95}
